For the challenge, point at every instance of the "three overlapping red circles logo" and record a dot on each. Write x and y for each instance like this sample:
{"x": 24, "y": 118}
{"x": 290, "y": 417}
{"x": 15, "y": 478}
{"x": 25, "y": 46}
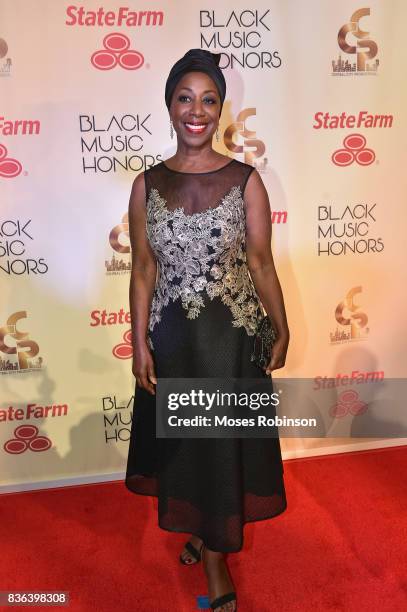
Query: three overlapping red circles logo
{"x": 348, "y": 403}
{"x": 26, "y": 437}
{"x": 116, "y": 52}
{"x": 124, "y": 350}
{"x": 9, "y": 167}
{"x": 354, "y": 151}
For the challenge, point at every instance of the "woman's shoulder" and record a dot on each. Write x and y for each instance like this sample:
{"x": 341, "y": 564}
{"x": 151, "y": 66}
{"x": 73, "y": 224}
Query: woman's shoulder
{"x": 242, "y": 172}
{"x": 244, "y": 166}
{"x": 156, "y": 166}
{"x": 144, "y": 177}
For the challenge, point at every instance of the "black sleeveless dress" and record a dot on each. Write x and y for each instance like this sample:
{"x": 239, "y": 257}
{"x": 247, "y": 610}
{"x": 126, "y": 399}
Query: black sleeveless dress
{"x": 202, "y": 320}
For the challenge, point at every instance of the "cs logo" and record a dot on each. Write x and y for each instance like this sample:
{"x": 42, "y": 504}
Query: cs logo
{"x": 24, "y": 348}
{"x": 365, "y": 48}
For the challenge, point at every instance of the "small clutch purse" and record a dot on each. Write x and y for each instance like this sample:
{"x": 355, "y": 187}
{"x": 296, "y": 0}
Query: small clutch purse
{"x": 264, "y": 339}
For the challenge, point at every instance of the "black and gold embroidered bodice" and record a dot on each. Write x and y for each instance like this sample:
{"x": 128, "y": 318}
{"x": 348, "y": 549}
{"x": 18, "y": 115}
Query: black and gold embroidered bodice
{"x": 196, "y": 227}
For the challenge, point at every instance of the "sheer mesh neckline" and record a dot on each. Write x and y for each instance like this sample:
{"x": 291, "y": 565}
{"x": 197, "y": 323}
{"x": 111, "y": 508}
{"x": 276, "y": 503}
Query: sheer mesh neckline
{"x": 196, "y": 193}
{"x": 227, "y": 201}
{"x": 208, "y": 172}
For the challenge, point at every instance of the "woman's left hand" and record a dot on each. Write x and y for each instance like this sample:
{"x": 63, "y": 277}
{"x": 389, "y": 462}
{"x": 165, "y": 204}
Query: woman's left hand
{"x": 278, "y": 354}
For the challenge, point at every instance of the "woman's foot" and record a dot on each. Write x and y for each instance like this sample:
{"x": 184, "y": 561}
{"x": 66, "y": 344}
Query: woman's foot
{"x": 219, "y": 580}
{"x": 188, "y": 557}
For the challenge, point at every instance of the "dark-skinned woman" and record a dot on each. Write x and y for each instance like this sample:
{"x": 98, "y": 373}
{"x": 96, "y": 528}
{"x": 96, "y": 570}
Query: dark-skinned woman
{"x": 202, "y": 221}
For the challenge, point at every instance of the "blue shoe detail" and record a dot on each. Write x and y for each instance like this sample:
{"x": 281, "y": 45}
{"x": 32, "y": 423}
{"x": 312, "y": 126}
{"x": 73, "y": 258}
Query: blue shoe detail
{"x": 203, "y": 602}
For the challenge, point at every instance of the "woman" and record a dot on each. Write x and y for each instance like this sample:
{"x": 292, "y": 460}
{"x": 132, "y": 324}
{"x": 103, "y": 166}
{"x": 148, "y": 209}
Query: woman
{"x": 203, "y": 222}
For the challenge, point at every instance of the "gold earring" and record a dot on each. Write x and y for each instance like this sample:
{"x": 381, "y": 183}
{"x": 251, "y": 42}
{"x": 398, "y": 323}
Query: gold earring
{"x": 171, "y": 129}
{"x": 217, "y": 134}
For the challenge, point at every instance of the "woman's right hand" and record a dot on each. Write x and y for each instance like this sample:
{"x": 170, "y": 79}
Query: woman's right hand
{"x": 143, "y": 367}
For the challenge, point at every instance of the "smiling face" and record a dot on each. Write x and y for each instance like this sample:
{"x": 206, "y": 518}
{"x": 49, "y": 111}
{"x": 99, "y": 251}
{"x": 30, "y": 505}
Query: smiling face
{"x": 195, "y": 108}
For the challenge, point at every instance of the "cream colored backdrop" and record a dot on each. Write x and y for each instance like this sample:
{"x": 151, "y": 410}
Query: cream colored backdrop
{"x": 73, "y": 136}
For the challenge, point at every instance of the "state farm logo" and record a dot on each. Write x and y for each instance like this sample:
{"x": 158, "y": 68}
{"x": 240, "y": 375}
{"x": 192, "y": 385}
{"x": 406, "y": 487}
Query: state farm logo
{"x": 116, "y": 52}
{"x": 118, "y": 17}
{"x": 354, "y": 145}
{"x": 348, "y": 403}
{"x": 9, "y": 167}
{"x": 105, "y": 318}
{"x": 27, "y": 438}
{"x": 354, "y": 151}
{"x": 19, "y": 127}
{"x": 124, "y": 350}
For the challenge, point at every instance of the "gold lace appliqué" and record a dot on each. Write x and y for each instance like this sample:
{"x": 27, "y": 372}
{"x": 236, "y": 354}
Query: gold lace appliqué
{"x": 202, "y": 251}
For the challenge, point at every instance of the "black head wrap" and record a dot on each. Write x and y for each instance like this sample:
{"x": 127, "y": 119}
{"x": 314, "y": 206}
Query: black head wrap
{"x": 198, "y": 60}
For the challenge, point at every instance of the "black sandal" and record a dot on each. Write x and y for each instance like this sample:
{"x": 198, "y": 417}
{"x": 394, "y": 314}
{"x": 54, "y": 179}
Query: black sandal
{"x": 197, "y": 554}
{"x": 222, "y": 599}
{"x": 219, "y": 601}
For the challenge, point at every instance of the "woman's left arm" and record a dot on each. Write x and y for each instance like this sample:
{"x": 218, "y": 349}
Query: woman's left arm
{"x": 261, "y": 265}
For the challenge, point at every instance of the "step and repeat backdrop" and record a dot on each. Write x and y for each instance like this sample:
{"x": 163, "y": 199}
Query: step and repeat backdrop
{"x": 316, "y": 101}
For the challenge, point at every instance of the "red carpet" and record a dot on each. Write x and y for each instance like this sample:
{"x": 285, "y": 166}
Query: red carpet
{"x": 341, "y": 544}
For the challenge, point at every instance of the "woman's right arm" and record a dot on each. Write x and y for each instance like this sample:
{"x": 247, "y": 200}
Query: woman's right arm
{"x": 142, "y": 284}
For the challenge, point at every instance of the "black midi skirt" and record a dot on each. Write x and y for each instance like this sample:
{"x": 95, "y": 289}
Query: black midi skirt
{"x": 205, "y": 486}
